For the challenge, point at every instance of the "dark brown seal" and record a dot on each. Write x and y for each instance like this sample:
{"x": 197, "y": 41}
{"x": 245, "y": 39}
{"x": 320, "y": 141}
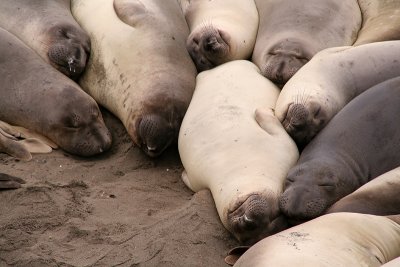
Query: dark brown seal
{"x": 36, "y": 96}
{"x": 360, "y": 143}
{"x": 290, "y": 33}
{"x": 47, "y": 26}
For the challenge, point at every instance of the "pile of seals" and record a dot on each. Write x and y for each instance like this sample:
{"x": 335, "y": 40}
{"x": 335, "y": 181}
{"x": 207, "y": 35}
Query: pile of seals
{"x": 283, "y": 110}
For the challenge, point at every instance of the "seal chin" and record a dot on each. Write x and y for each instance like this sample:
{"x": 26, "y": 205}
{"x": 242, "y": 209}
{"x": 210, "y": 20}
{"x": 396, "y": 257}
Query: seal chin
{"x": 299, "y": 207}
{"x": 207, "y": 47}
{"x": 69, "y": 50}
{"x": 155, "y": 133}
{"x": 280, "y": 67}
{"x": 303, "y": 121}
{"x": 255, "y": 219}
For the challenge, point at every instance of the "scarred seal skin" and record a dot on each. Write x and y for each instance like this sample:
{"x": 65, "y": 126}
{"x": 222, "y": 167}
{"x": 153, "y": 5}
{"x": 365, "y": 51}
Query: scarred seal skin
{"x": 379, "y": 196}
{"x": 241, "y": 155}
{"x": 292, "y": 32}
{"x": 360, "y": 143}
{"x": 47, "y": 26}
{"x": 39, "y": 98}
{"x": 381, "y": 21}
{"x": 139, "y": 68}
{"x": 329, "y": 81}
{"x": 340, "y": 239}
{"x": 220, "y": 31}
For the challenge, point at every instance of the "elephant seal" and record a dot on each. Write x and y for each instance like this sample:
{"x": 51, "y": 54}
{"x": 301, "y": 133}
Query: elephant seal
{"x": 241, "y": 156}
{"x": 220, "y": 32}
{"x": 292, "y": 32}
{"x": 329, "y": 81}
{"x": 47, "y": 26}
{"x": 379, "y": 196}
{"x": 381, "y": 21}
{"x": 360, "y": 143}
{"x": 340, "y": 239}
{"x": 36, "y": 96}
{"x": 139, "y": 68}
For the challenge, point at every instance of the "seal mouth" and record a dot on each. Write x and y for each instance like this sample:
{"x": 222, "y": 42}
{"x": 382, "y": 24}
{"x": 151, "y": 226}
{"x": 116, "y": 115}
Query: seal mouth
{"x": 208, "y": 47}
{"x": 155, "y": 133}
{"x": 254, "y": 219}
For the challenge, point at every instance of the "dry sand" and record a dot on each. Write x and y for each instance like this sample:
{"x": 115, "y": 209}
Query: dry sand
{"x": 117, "y": 209}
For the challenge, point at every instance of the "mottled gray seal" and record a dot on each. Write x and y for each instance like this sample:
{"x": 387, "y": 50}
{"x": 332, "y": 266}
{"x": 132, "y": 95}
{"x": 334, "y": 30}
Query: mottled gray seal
{"x": 139, "y": 68}
{"x": 220, "y": 32}
{"x": 329, "y": 81}
{"x": 39, "y": 98}
{"x": 47, "y": 26}
{"x": 292, "y": 32}
{"x": 224, "y": 149}
{"x": 360, "y": 143}
{"x": 340, "y": 239}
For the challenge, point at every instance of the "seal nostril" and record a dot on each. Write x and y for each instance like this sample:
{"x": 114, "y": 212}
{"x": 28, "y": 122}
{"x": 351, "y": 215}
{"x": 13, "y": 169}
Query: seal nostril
{"x": 155, "y": 133}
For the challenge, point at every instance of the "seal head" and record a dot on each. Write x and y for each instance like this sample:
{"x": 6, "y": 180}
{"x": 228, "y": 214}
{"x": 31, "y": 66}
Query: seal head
{"x": 69, "y": 49}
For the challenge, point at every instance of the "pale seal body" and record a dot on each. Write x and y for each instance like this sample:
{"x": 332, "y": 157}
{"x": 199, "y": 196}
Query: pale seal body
{"x": 340, "y": 240}
{"x": 292, "y": 32}
{"x": 381, "y": 21}
{"x": 329, "y": 81}
{"x": 360, "y": 143}
{"x": 47, "y": 26}
{"x": 139, "y": 68}
{"x": 222, "y": 148}
{"x": 393, "y": 263}
{"x": 379, "y": 196}
{"x": 220, "y": 31}
{"x": 36, "y": 96}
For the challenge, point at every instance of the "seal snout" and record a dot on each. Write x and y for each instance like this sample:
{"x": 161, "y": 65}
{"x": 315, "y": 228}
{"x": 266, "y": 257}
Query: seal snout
{"x": 207, "y": 48}
{"x": 155, "y": 133}
{"x": 251, "y": 220}
{"x": 279, "y": 68}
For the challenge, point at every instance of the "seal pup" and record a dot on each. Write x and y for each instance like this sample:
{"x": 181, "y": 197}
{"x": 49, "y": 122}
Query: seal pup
{"x": 381, "y": 21}
{"x": 36, "y": 96}
{"x": 292, "y": 32}
{"x": 329, "y": 81}
{"x": 360, "y": 143}
{"x": 220, "y": 31}
{"x": 139, "y": 68}
{"x": 224, "y": 149}
{"x": 47, "y": 26}
{"x": 379, "y": 196}
{"x": 340, "y": 239}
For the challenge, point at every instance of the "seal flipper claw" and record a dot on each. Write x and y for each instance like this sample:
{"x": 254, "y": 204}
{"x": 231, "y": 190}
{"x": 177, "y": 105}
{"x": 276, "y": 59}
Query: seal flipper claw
{"x": 10, "y": 182}
{"x": 155, "y": 133}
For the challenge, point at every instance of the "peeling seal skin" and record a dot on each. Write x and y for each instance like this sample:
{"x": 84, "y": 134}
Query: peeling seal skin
{"x": 231, "y": 143}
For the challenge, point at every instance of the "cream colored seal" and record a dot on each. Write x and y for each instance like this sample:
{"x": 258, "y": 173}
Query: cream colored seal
{"x": 220, "y": 30}
{"x": 224, "y": 149}
{"x": 329, "y": 81}
{"x": 139, "y": 68}
{"x": 340, "y": 240}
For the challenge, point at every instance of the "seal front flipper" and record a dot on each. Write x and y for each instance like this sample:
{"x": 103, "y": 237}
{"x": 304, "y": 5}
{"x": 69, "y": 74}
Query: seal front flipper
{"x": 267, "y": 120}
{"x": 130, "y": 11}
{"x": 10, "y": 182}
{"x": 10, "y": 145}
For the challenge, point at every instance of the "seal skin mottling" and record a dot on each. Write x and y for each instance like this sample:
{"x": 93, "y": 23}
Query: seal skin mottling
{"x": 39, "y": 98}
{"x": 139, "y": 67}
{"x": 290, "y": 33}
{"x": 360, "y": 143}
{"x": 47, "y": 26}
